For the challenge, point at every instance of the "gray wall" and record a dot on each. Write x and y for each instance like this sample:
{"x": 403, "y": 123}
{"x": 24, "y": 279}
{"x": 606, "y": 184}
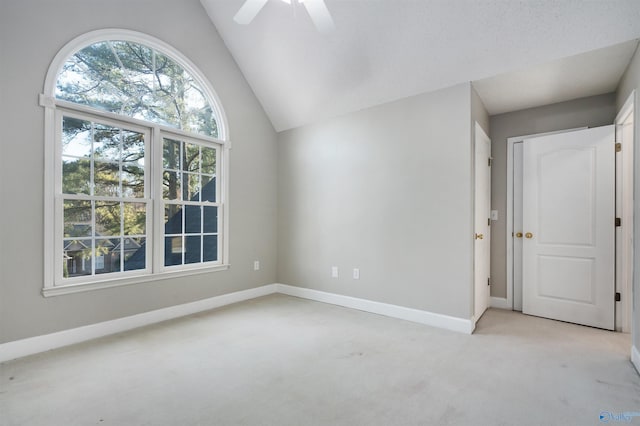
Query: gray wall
{"x": 31, "y": 33}
{"x": 590, "y": 112}
{"x": 386, "y": 190}
{"x": 631, "y": 81}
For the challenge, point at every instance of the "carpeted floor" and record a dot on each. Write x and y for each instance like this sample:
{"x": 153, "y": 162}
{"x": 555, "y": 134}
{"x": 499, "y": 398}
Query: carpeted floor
{"x": 279, "y": 360}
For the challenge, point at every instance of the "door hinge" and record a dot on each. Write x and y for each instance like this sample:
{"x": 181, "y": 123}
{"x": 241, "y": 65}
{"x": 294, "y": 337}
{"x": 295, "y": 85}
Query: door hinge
{"x": 489, "y": 162}
{"x": 489, "y": 222}
{"x": 618, "y": 147}
{"x": 618, "y": 298}
{"x": 488, "y": 281}
{"x": 618, "y": 222}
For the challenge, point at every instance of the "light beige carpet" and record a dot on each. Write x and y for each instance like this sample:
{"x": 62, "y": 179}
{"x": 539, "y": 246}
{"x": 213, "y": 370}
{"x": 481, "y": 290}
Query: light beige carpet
{"x": 279, "y": 360}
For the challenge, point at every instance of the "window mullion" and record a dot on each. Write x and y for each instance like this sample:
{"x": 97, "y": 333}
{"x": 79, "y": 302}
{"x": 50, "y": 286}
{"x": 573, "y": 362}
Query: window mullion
{"x": 92, "y": 186}
{"x": 155, "y": 186}
{"x": 121, "y": 194}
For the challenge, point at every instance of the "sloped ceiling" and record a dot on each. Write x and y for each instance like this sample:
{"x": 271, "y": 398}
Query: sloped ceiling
{"x": 383, "y": 50}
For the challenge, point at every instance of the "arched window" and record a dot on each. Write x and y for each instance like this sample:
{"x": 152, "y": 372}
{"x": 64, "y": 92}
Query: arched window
{"x": 137, "y": 81}
{"x": 136, "y": 164}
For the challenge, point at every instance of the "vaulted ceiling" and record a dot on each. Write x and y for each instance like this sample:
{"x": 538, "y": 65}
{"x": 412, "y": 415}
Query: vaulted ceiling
{"x": 518, "y": 53}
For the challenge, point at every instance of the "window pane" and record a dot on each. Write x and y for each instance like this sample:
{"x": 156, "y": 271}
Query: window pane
{"x": 76, "y": 257}
{"x": 171, "y": 154}
{"x": 76, "y": 137}
{"x": 192, "y": 254}
{"x": 192, "y": 223}
{"x": 172, "y": 251}
{"x": 77, "y": 218}
{"x": 132, "y": 180}
{"x": 134, "y": 253}
{"x": 172, "y": 219}
{"x": 208, "y": 188}
{"x": 108, "y": 216}
{"x": 135, "y": 218}
{"x": 106, "y": 143}
{"x": 191, "y": 158}
{"x": 107, "y": 255}
{"x": 210, "y": 248}
{"x": 132, "y": 147}
{"x": 191, "y": 187}
{"x": 76, "y": 175}
{"x": 134, "y": 80}
{"x": 210, "y": 219}
{"x": 208, "y": 160}
{"x": 171, "y": 186}
{"x": 106, "y": 179}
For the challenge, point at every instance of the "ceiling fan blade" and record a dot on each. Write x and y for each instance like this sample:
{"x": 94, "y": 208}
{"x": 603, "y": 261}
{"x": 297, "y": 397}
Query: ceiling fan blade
{"x": 319, "y": 15}
{"x": 248, "y": 11}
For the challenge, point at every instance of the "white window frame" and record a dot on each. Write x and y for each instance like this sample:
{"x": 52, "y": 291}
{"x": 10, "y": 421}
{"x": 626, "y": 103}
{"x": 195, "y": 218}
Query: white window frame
{"x": 160, "y": 202}
{"x": 53, "y": 108}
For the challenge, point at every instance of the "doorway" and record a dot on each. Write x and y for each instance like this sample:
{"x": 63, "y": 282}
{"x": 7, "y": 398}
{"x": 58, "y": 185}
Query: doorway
{"x": 482, "y": 222}
{"x": 623, "y": 211}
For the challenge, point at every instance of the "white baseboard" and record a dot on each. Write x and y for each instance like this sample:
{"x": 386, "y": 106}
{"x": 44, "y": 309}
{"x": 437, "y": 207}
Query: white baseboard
{"x": 635, "y": 358}
{"x": 500, "y": 303}
{"x": 409, "y": 314}
{"x": 34, "y": 345}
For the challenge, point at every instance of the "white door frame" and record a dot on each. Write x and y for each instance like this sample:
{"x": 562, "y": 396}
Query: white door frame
{"x": 624, "y": 210}
{"x": 497, "y": 302}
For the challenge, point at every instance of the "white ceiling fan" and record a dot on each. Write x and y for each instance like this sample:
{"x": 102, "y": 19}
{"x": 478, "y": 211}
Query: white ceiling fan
{"x": 317, "y": 10}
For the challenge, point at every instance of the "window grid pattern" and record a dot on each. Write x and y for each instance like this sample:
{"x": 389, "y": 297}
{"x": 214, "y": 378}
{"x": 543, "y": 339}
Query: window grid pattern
{"x": 103, "y": 196}
{"x": 114, "y": 104}
{"x": 191, "y": 219}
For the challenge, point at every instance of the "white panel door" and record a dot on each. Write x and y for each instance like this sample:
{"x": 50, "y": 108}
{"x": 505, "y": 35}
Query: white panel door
{"x": 568, "y": 220}
{"x": 482, "y": 234}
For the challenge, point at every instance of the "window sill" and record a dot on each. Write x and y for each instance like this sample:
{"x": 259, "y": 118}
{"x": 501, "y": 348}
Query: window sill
{"x": 117, "y": 282}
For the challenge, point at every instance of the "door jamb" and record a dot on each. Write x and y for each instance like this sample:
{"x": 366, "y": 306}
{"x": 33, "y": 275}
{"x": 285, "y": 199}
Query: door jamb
{"x": 625, "y": 287}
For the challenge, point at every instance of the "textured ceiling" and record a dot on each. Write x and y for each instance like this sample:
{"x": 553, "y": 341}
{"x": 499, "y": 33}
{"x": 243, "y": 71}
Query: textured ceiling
{"x": 383, "y": 50}
{"x": 587, "y": 74}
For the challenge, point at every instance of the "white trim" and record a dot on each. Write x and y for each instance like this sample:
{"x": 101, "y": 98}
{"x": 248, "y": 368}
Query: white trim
{"x": 627, "y": 108}
{"x": 80, "y": 109}
{"x": 34, "y": 345}
{"x": 509, "y": 214}
{"x": 60, "y": 290}
{"x": 394, "y": 311}
{"x": 624, "y": 210}
{"x": 635, "y": 358}
{"x": 500, "y": 303}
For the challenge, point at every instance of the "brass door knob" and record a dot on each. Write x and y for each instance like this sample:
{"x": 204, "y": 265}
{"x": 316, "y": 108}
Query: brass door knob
{"x": 528, "y": 235}
{"x": 479, "y": 236}
{"x": 518, "y": 234}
